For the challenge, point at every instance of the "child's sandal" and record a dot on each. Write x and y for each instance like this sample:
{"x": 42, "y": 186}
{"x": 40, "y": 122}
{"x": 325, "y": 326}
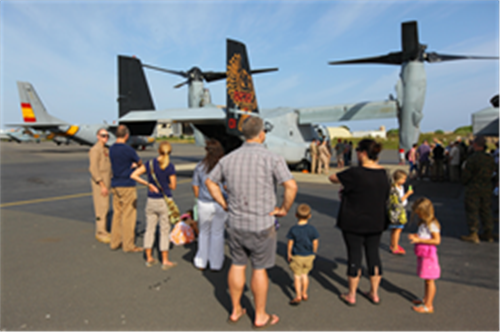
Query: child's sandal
{"x": 423, "y": 309}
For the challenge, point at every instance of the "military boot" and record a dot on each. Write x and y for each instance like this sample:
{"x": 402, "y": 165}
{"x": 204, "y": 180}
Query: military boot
{"x": 486, "y": 237}
{"x": 472, "y": 237}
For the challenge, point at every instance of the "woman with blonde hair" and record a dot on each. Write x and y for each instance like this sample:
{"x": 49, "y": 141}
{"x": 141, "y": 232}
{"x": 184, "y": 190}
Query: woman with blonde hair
{"x": 161, "y": 181}
{"x": 211, "y": 216}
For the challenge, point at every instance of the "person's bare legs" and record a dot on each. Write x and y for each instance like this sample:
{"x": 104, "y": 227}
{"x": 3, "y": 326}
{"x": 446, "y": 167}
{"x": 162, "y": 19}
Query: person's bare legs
{"x": 374, "y": 284}
{"x": 353, "y": 286}
{"x": 164, "y": 259}
{"x": 236, "y": 283}
{"x": 297, "y": 281}
{"x": 430, "y": 293}
{"x": 149, "y": 255}
{"x": 260, "y": 285}
{"x": 395, "y": 235}
{"x": 305, "y": 286}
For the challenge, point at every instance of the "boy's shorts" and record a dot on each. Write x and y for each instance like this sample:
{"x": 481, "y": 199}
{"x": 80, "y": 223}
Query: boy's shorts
{"x": 301, "y": 265}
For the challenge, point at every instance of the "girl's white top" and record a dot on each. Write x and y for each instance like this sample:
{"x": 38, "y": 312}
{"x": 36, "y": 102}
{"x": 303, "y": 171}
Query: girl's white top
{"x": 401, "y": 193}
{"x": 424, "y": 232}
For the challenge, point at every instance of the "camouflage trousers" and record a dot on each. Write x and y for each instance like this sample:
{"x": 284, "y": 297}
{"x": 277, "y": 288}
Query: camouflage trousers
{"x": 478, "y": 206}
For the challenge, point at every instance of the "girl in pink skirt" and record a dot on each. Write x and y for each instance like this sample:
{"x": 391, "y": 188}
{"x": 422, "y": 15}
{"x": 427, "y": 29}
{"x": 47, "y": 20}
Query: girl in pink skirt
{"x": 426, "y": 240}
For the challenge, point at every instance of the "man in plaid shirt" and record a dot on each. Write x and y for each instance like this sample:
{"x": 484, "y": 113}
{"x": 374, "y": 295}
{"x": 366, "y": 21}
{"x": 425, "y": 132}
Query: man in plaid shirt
{"x": 251, "y": 174}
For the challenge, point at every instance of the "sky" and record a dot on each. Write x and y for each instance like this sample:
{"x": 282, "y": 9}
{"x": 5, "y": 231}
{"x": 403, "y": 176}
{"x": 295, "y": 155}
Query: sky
{"x": 68, "y": 50}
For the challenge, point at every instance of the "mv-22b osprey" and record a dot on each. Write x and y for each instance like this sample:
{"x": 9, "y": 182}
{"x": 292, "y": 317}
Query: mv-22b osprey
{"x": 289, "y": 130}
{"x": 292, "y": 128}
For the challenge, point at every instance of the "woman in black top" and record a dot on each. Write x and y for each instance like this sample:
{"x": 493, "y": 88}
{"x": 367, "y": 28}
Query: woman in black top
{"x": 363, "y": 217}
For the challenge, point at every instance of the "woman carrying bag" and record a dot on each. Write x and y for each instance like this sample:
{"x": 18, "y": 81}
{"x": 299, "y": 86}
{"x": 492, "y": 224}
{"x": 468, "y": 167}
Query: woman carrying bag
{"x": 161, "y": 181}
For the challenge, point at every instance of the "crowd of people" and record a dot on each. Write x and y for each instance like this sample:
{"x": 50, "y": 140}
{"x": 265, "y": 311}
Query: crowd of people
{"x": 236, "y": 195}
{"x": 321, "y": 154}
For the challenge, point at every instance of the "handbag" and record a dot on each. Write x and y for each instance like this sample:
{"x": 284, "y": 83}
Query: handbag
{"x": 424, "y": 250}
{"x": 174, "y": 214}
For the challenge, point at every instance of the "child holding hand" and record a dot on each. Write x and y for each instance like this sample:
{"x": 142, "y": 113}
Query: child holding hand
{"x": 302, "y": 247}
{"x": 426, "y": 240}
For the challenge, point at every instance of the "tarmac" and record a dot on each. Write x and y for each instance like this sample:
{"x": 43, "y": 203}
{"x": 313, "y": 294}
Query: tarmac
{"x": 56, "y": 276}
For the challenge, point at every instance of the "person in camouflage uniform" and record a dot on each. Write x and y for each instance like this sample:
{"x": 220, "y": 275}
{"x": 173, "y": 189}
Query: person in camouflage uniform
{"x": 476, "y": 176}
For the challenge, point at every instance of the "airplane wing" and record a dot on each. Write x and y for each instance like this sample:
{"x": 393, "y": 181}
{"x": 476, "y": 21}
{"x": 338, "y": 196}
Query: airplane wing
{"x": 38, "y": 126}
{"x": 201, "y": 115}
{"x": 348, "y": 112}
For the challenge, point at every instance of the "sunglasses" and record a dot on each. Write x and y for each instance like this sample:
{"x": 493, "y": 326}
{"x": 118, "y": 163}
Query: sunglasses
{"x": 104, "y": 135}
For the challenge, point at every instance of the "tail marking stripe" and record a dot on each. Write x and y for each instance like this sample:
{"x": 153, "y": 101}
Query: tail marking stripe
{"x": 28, "y": 114}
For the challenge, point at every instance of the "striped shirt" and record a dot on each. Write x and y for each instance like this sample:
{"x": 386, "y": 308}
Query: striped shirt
{"x": 251, "y": 174}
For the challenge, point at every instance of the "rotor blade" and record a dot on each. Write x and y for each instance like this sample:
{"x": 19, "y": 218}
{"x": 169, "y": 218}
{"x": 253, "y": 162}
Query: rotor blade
{"x": 181, "y": 84}
{"x": 265, "y": 70}
{"x": 389, "y": 59}
{"x": 436, "y": 57}
{"x": 180, "y": 73}
{"x": 409, "y": 40}
{"x": 211, "y": 76}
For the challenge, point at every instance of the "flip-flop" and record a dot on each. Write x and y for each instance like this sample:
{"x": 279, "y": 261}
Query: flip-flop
{"x": 344, "y": 299}
{"x": 230, "y": 321}
{"x": 295, "y": 302}
{"x": 370, "y": 298}
{"x": 268, "y": 323}
{"x": 166, "y": 267}
{"x": 154, "y": 262}
{"x": 422, "y": 309}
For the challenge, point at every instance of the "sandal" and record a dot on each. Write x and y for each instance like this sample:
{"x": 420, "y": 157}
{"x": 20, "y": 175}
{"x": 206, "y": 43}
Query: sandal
{"x": 153, "y": 262}
{"x": 417, "y": 301}
{"x": 397, "y": 251}
{"x": 166, "y": 267}
{"x": 295, "y": 302}
{"x": 370, "y": 298}
{"x": 423, "y": 309}
{"x": 344, "y": 299}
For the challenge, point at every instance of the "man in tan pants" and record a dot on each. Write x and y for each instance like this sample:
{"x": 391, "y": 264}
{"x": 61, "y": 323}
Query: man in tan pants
{"x": 313, "y": 148}
{"x": 324, "y": 158}
{"x": 100, "y": 173}
{"x": 123, "y": 161}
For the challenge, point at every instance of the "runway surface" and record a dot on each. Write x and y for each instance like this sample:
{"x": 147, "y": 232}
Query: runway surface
{"x": 56, "y": 276}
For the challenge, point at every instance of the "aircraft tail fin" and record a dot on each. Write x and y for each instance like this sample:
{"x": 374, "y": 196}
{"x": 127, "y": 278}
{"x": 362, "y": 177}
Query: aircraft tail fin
{"x": 241, "y": 96}
{"x": 32, "y": 107}
{"x": 133, "y": 90}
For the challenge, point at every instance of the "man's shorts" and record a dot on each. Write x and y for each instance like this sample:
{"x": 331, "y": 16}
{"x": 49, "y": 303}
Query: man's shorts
{"x": 301, "y": 265}
{"x": 260, "y": 247}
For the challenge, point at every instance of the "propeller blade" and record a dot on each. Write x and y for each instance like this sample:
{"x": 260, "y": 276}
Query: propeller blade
{"x": 436, "y": 57}
{"x": 265, "y": 70}
{"x": 409, "y": 40}
{"x": 395, "y": 58}
{"x": 180, "y": 84}
{"x": 180, "y": 73}
{"x": 211, "y": 76}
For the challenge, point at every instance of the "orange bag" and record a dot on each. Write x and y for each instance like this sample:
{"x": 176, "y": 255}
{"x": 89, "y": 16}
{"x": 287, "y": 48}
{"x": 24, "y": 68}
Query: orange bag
{"x": 181, "y": 234}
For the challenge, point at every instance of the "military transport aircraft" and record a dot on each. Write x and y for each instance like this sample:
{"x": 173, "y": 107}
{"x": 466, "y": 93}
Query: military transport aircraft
{"x": 411, "y": 86}
{"x": 289, "y": 130}
{"x": 21, "y": 135}
{"x": 36, "y": 116}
